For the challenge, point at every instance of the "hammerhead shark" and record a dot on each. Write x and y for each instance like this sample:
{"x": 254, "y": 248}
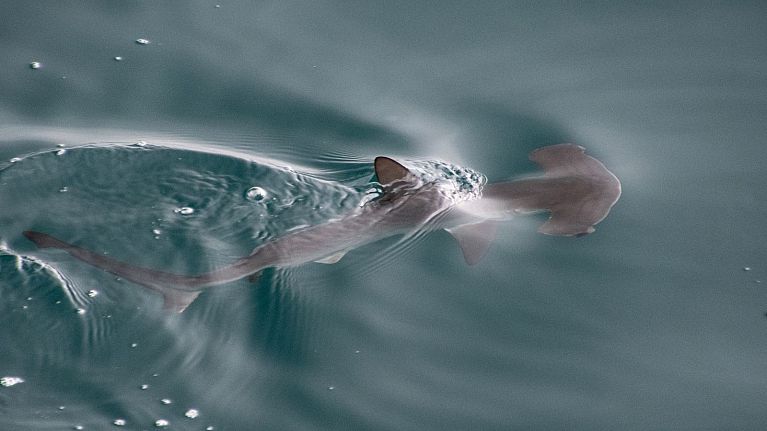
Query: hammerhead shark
{"x": 575, "y": 188}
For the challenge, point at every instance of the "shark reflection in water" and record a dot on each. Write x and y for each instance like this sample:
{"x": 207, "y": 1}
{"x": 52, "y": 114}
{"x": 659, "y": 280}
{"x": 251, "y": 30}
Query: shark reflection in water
{"x": 576, "y": 189}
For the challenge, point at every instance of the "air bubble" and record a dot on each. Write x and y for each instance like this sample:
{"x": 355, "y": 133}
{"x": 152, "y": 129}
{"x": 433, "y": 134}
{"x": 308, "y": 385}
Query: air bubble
{"x": 63, "y": 189}
{"x": 35, "y": 65}
{"x": 15, "y": 159}
{"x": 161, "y": 423}
{"x": 118, "y": 58}
{"x": 256, "y": 194}
{"x": 92, "y": 293}
{"x": 9, "y": 381}
{"x": 191, "y": 413}
{"x": 184, "y": 210}
{"x": 61, "y": 152}
{"x": 166, "y": 401}
{"x": 119, "y": 422}
{"x": 746, "y": 268}
{"x": 156, "y": 231}
{"x": 80, "y": 311}
{"x": 142, "y": 41}
{"x": 144, "y": 387}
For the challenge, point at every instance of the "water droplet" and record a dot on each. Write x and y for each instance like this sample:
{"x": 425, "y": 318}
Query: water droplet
{"x": 78, "y": 427}
{"x": 15, "y": 159}
{"x": 142, "y": 41}
{"x": 330, "y": 388}
{"x": 24, "y": 307}
{"x": 92, "y": 293}
{"x": 119, "y": 422}
{"x": 63, "y": 189}
{"x": 166, "y": 401}
{"x": 80, "y": 311}
{"x": 209, "y": 429}
{"x": 218, "y": 6}
{"x": 746, "y": 268}
{"x": 156, "y": 231}
{"x": 61, "y": 152}
{"x": 9, "y": 381}
{"x": 118, "y": 58}
{"x": 256, "y": 194}
{"x": 29, "y": 298}
{"x": 35, "y": 65}
{"x": 144, "y": 387}
{"x": 192, "y": 413}
{"x": 357, "y": 352}
{"x": 184, "y": 210}
{"x": 134, "y": 345}
{"x": 161, "y": 423}
{"x": 61, "y": 407}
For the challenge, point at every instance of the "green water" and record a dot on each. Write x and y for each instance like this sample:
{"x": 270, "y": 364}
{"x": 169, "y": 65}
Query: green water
{"x": 651, "y": 323}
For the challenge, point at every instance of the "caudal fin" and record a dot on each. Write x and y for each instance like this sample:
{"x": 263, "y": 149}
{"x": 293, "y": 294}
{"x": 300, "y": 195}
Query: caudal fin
{"x": 177, "y": 290}
{"x": 43, "y": 240}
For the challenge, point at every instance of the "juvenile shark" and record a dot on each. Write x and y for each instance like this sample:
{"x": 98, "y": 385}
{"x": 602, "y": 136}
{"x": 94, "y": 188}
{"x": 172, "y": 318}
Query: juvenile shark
{"x": 575, "y": 188}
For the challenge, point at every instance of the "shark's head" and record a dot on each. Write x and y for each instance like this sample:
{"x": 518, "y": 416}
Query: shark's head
{"x": 577, "y": 190}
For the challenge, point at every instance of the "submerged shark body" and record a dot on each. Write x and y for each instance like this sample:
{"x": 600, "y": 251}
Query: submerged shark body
{"x": 576, "y": 188}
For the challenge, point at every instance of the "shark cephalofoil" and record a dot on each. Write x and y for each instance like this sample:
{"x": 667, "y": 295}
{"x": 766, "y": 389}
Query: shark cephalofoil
{"x": 575, "y": 188}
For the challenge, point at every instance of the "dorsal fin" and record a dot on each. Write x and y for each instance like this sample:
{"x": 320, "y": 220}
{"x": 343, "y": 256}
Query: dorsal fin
{"x": 389, "y": 171}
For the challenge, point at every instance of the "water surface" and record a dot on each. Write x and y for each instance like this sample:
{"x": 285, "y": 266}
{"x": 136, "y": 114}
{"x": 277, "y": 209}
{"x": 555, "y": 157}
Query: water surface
{"x": 652, "y": 322}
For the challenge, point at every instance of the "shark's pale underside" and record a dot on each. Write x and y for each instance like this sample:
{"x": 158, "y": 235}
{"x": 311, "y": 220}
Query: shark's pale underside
{"x": 575, "y": 188}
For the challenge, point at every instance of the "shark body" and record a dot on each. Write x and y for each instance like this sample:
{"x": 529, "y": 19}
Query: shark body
{"x": 576, "y": 189}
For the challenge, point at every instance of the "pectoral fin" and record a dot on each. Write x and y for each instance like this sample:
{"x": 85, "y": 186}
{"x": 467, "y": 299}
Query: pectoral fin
{"x": 177, "y": 300}
{"x": 333, "y": 258}
{"x": 474, "y": 239}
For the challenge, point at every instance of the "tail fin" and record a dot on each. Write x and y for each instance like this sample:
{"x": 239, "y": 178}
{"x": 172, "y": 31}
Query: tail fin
{"x": 576, "y": 188}
{"x": 178, "y": 291}
{"x": 44, "y": 241}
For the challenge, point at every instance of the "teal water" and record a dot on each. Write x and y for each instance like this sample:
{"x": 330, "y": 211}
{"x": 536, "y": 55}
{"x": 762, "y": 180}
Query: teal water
{"x": 654, "y": 322}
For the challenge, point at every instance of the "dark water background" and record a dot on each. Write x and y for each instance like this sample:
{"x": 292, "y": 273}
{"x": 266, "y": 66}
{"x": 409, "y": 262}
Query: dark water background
{"x": 651, "y": 323}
